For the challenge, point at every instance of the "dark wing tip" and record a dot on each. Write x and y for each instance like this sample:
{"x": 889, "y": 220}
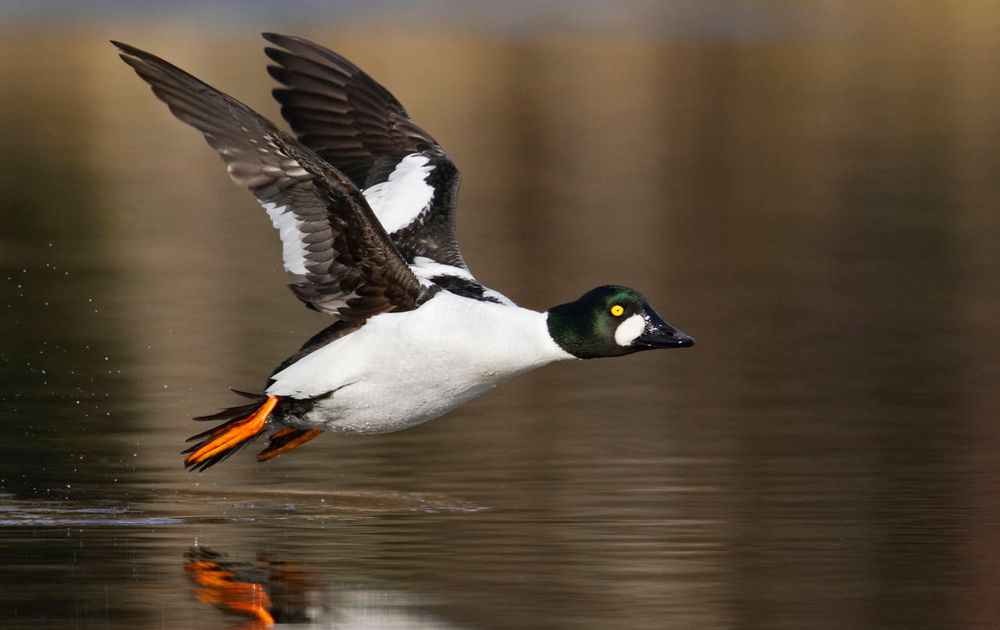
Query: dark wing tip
{"x": 121, "y": 45}
{"x": 290, "y": 42}
{"x": 287, "y": 41}
{"x": 274, "y": 54}
{"x": 156, "y": 71}
{"x": 277, "y": 73}
{"x": 274, "y": 38}
{"x": 292, "y": 46}
{"x": 131, "y": 54}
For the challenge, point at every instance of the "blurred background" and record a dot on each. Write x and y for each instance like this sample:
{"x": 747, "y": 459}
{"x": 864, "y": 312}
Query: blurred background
{"x": 809, "y": 189}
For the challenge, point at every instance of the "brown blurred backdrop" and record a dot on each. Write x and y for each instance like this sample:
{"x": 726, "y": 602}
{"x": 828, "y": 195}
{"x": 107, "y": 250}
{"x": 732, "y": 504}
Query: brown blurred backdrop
{"x": 811, "y": 192}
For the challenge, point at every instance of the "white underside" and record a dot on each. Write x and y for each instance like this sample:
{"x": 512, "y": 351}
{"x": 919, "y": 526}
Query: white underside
{"x": 401, "y": 369}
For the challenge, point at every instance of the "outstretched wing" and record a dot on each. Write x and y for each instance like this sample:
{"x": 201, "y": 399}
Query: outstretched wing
{"x": 339, "y": 257}
{"x": 356, "y": 125}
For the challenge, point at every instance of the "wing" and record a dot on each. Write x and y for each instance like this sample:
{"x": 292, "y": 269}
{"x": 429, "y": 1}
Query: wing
{"x": 339, "y": 258}
{"x": 356, "y": 125}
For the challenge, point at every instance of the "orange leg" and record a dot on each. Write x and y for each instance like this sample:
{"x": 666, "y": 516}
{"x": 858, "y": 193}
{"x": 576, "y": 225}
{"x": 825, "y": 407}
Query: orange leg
{"x": 285, "y": 440}
{"x": 232, "y": 434}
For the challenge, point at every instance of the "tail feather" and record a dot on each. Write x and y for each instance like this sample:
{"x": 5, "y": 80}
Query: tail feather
{"x": 250, "y": 395}
{"x": 238, "y": 411}
{"x": 243, "y": 425}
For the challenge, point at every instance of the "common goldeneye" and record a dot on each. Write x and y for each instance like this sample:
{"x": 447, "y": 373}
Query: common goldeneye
{"x": 364, "y": 202}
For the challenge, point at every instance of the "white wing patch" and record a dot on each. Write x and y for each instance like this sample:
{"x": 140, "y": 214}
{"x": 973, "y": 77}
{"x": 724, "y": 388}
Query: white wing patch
{"x": 293, "y": 250}
{"x": 629, "y": 330}
{"x": 401, "y": 198}
{"x": 425, "y": 269}
{"x": 503, "y": 299}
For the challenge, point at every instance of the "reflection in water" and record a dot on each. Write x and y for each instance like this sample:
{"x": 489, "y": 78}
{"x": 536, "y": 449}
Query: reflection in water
{"x": 272, "y": 591}
{"x": 822, "y": 211}
{"x": 238, "y": 589}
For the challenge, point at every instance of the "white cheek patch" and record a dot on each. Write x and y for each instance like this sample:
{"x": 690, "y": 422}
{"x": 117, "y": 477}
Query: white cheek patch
{"x": 400, "y": 199}
{"x": 629, "y": 330}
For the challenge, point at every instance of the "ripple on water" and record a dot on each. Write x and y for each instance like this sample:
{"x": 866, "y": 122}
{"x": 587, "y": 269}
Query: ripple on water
{"x": 43, "y": 513}
{"x": 193, "y": 507}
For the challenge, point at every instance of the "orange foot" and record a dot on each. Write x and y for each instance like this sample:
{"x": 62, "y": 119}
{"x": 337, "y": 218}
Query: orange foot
{"x": 225, "y": 439}
{"x": 284, "y": 440}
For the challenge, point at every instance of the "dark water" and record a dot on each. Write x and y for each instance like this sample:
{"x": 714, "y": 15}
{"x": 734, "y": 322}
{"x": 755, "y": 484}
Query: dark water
{"x": 821, "y": 213}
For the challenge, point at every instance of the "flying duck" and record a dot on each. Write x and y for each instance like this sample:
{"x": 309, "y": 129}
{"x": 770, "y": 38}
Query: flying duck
{"x": 364, "y": 202}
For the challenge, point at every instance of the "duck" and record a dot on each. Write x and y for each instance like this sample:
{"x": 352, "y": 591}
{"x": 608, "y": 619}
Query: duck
{"x": 364, "y": 202}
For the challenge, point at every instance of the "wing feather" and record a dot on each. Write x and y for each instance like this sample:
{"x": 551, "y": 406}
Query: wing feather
{"x": 339, "y": 257}
{"x": 360, "y": 128}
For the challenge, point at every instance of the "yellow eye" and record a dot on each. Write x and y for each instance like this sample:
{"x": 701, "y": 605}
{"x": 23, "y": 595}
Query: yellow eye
{"x": 617, "y": 310}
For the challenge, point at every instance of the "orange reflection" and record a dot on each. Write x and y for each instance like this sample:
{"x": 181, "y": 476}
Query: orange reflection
{"x": 227, "y": 589}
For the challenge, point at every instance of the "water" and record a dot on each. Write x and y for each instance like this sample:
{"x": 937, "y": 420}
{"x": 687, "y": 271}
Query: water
{"x": 818, "y": 211}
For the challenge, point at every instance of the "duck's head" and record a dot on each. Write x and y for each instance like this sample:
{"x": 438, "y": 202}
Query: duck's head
{"x": 610, "y": 321}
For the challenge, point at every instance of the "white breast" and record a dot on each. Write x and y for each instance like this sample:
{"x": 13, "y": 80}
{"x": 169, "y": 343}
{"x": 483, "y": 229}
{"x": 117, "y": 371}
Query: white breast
{"x": 401, "y": 369}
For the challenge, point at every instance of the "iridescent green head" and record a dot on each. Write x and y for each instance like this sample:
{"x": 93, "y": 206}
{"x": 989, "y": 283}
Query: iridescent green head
{"x": 611, "y": 321}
